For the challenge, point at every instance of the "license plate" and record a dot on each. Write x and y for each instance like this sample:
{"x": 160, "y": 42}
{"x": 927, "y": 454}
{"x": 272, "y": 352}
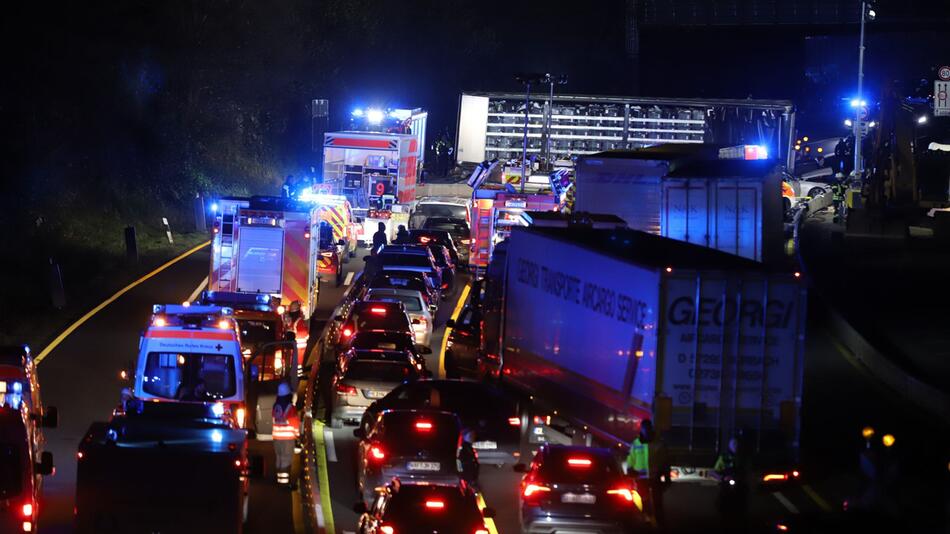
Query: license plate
{"x": 578, "y": 498}
{"x": 424, "y": 466}
{"x": 482, "y": 445}
{"x": 374, "y": 394}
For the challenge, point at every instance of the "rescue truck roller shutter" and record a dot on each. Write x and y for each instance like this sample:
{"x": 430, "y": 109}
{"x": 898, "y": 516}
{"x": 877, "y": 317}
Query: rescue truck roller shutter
{"x": 267, "y": 245}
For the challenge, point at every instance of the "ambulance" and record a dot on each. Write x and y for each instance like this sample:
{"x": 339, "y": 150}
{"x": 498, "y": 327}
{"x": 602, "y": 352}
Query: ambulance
{"x": 269, "y": 246}
{"x": 192, "y": 354}
{"x": 337, "y": 232}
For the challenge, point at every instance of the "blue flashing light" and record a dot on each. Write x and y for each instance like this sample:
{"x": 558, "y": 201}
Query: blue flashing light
{"x": 856, "y": 102}
{"x": 374, "y": 116}
{"x": 217, "y": 409}
{"x": 217, "y": 436}
{"x": 358, "y": 112}
{"x": 214, "y": 207}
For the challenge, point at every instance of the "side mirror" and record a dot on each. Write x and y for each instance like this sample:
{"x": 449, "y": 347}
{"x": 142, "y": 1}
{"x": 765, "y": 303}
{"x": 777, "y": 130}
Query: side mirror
{"x": 450, "y": 323}
{"x": 422, "y": 349}
{"x": 488, "y": 513}
{"x": 255, "y": 466}
{"x": 51, "y": 417}
{"x": 359, "y": 433}
{"x": 520, "y": 468}
{"x": 360, "y": 508}
{"x": 45, "y": 466}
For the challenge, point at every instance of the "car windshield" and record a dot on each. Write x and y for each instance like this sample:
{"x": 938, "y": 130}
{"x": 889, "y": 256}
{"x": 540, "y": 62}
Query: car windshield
{"x": 408, "y": 507}
{"x": 378, "y": 371}
{"x": 407, "y": 260}
{"x": 573, "y": 466}
{"x": 442, "y": 210}
{"x": 467, "y": 399}
{"x": 391, "y": 320}
{"x": 412, "y": 303}
{"x": 453, "y": 228}
{"x": 11, "y": 471}
{"x": 402, "y": 435}
{"x": 256, "y": 332}
{"x": 189, "y": 376}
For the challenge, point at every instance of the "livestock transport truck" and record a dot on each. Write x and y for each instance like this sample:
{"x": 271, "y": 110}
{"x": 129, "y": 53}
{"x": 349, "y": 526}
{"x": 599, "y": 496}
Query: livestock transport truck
{"x": 604, "y": 328}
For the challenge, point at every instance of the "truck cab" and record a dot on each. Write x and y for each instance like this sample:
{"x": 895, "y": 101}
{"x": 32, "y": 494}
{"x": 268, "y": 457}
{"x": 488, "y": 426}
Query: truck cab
{"x": 23, "y": 462}
{"x": 192, "y": 354}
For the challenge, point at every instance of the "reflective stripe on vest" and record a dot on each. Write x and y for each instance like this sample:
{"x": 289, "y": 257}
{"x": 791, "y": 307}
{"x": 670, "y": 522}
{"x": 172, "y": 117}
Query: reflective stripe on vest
{"x": 284, "y": 431}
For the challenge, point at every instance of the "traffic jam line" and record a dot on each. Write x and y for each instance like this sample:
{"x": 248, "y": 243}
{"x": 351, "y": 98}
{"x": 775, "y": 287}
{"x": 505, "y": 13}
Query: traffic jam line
{"x": 194, "y": 294}
{"x": 89, "y": 315}
{"x": 455, "y": 315}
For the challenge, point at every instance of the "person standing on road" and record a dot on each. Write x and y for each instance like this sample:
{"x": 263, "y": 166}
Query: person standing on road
{"x": 286, "y": 429}
{"x": 729, "y": 470}
{"x": 379, "y": 238}
{"x": 402, "y": 236}
{"x": 647, "y": 463}
{"x": 837, "y": 195}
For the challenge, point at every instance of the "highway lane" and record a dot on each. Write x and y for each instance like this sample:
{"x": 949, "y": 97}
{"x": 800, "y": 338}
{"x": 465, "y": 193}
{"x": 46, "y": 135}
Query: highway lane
{"x": 839, "y": 399}
{"x": 80, "y": 377}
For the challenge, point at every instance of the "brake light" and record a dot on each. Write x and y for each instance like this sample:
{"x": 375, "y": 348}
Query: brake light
{"x": 27, "y": 510}
{"x": 774, "y": 477}
{"x": 514, "y": 421}
{"x": 386, "y": 529}
{"x": 424, "y": 239}
{"x": 423, "y": 426}
{"x": 435, "y": 505}
{"x": 377, "y": 453}
{"x": 626, "y": 493}
{"x": 532, "y": 489}
{"x": 445, "y": 285}
{"x": 345, "y": 389}
{"x": 380, "y": 311}
{"x": 579, "y": 462}
{"x": 347, "y": 332}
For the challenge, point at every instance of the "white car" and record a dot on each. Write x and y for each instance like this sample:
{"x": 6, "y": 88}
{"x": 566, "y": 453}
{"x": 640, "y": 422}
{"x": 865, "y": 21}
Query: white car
{"x": 420, "y": 315}
{"x": 438, "y": 207}
{"x": 814, "y": 183}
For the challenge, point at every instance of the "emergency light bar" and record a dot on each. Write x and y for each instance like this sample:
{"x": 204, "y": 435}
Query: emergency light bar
{"x": 178, "y": 309}
{"x": 746, "y": 152}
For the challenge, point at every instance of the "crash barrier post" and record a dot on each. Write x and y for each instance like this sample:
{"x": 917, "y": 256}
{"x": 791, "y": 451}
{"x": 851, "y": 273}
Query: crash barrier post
{"x": 57, "y": 292}
{"x": 168, "y": 231}
{"x": 131, "y": 246}
{"x": 201, "y": 224}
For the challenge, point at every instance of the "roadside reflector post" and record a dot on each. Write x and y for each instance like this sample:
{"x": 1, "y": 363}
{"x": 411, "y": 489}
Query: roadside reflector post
{"x": 56, "y": 291}
{"x": 131, "y": 246}
{"x": 168, "y": 231}
{"x": 201, "y": 224}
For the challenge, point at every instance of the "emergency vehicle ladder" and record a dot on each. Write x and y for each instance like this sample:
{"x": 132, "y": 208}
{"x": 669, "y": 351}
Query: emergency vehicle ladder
{"x": 226, "y": 268}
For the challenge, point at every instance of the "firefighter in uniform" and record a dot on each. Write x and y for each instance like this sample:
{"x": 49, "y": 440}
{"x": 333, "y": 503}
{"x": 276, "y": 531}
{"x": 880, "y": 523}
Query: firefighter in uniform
{"x": 286, "y": 429}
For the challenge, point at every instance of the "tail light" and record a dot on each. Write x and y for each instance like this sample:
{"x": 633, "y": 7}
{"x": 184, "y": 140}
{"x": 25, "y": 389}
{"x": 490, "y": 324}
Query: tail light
{"x": 423, "y": 426}
{"x": 377, "y": 453}
{"x": 378, "y": 311}
{"x": 481, "y": 531}
{"x": 514, "y": 421}
{"x": 445, "y": 285}
{"x": 424, "y": 240}
{"x": 344, "y": 389}
{"x": 387, "y": 529}
{"x": 579, "y": 462}
{"x": 435, "y": 505}
{"x": 627, "y": 496}
{"x": 27, "y": 510}
{"x": 532, "y": 489}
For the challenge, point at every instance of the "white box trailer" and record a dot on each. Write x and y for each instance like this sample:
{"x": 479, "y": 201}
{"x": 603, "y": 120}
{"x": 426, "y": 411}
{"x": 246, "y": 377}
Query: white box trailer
{"x": 610, "y": 327}
{"x": 684, "y": 193}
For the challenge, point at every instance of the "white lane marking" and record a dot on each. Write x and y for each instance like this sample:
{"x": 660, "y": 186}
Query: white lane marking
{"x": 194, "y": 294}
{"x": 331, "y": 448}
{"x": 349, "y": 278}
{"x": 785, "y": 502}
{"x": 320, "y": 521}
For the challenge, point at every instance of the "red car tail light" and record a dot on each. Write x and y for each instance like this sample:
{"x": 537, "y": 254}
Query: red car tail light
{"x": 345, "y": 389}
{"x": 376, "y": 452}
{"x": 532, "y": 489}
{"x": 579, "y": 462}
{"x": 379, "y": 311}
{"x": 386, "y": 529}
{"x": 423, "y": 426}
{"x": 435, "y": 505}
{"x": 27, "y": 510}
{"x": 514, "y": 421}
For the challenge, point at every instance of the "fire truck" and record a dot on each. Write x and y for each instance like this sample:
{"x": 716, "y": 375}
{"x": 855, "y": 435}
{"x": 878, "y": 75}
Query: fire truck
{"x": 376, "y": 172}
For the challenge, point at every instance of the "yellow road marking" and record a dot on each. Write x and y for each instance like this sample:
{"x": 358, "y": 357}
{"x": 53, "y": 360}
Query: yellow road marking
{"x": 323, "y": 476}
{"x": 72, "y": 328}
{"x": 489, "y": 523}
{"x": 819, "y": 500}
{"x": 445, "y": 336}
{"x": 194, "y": 294}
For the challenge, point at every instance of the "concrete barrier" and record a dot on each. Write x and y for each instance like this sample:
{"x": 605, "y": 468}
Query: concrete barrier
{"x": 882, "y": 368}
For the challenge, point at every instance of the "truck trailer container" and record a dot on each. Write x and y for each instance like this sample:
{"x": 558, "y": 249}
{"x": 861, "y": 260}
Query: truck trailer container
{"x": 608, "y": 327}
{"x": 687, "y": 193}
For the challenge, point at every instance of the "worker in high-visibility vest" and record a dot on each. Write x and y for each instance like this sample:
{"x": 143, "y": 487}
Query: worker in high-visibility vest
{"x": 285, "y": 432}
{"x": 647, "y": 463}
